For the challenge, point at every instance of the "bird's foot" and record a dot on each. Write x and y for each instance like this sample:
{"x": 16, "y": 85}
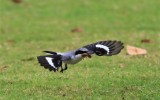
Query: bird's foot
{"x": 65, "y": 68}
{"x": 62, "y": 70}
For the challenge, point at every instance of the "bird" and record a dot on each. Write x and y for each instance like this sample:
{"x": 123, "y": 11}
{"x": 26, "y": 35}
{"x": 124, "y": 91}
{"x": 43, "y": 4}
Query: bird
{"x": 55, "y": 60}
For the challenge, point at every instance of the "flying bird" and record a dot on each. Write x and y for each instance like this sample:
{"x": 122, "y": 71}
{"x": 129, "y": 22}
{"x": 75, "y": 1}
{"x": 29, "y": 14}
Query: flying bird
{"x": 54, "y": 60}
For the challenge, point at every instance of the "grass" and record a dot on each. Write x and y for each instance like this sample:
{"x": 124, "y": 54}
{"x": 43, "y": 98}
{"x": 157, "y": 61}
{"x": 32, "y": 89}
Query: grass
{"x": 32, "y": 26}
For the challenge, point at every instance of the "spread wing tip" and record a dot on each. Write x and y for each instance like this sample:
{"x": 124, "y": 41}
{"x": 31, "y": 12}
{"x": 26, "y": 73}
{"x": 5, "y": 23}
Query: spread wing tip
{"x": 105, "y": 48}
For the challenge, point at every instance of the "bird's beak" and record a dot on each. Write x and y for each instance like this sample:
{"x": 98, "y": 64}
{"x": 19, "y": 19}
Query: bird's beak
{"x": 86, "y": 55}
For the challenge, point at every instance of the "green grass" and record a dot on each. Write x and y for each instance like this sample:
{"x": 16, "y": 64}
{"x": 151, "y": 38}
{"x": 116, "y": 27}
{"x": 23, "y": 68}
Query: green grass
{"x": 32, "y": 26}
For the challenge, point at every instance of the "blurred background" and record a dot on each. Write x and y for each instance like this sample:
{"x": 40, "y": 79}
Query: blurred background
{"x": 28, "y": 27}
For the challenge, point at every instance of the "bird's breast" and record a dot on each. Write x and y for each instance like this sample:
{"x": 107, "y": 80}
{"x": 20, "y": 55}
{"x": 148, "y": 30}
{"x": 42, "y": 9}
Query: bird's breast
{"x": 74, "y": 59}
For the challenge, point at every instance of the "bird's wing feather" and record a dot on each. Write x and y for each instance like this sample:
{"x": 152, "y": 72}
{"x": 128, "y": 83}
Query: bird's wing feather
{"x": 105, "y": 48}
{"x": 51, "y": 62}
{"x": 50, "y": 52}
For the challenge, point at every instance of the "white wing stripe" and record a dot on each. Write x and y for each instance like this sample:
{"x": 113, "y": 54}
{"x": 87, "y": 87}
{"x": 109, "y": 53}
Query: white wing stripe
{"x": 49, "y": 60}
{"x": 103, "y": 47}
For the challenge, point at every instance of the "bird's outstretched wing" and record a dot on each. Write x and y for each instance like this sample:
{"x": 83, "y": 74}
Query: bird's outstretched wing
{"x": 105, "y": 48}
{"x": 51, "y": 62}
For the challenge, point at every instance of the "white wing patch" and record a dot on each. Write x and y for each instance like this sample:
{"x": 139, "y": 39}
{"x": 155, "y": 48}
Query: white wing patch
{"x": 49, "y": 60}
{"x": 103, "y": 47}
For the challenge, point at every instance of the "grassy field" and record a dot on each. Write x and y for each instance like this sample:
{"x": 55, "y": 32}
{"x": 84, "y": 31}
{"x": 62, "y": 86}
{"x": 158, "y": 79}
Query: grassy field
{"x": 29, "y": 27}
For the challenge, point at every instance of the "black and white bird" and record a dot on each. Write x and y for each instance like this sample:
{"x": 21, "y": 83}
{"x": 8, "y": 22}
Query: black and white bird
{"x": 53, "y": 61}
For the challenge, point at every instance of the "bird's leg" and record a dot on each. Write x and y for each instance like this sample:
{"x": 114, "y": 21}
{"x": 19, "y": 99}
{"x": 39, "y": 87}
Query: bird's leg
{"x": 61, "y": 67}
{"x": 66, "y": 67}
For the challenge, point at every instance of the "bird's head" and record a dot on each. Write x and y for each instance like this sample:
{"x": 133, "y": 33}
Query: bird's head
{"x": 83, "y": 52}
